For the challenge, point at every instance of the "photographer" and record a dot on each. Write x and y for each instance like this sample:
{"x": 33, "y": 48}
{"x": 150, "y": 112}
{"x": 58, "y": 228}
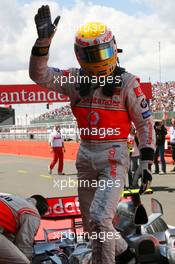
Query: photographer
{"x": 161, "y": 132}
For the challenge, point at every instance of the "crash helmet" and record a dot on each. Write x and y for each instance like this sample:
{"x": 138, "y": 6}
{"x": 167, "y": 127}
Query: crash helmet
{"x": 96, "y": 49}
{"x": 41, "y": 204}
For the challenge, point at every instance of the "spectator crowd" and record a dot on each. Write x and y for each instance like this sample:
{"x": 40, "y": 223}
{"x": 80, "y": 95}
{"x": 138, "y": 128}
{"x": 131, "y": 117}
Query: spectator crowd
{"x": 163, "y": 97}
{"x": 59, "y": 114}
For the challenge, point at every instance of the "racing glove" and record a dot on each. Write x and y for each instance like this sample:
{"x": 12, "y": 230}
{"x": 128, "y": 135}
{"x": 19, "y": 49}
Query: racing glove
{"x": 144, "y": 169}
{"x": 144, "y": 173}
{"x": 44, "y": 25}
{"x": 45, "y": 29}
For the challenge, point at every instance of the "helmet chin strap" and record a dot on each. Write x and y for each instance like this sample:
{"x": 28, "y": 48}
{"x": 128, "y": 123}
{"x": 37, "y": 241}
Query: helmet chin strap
{"x": 85, "y": 88}
{"x": 108, "y": 88}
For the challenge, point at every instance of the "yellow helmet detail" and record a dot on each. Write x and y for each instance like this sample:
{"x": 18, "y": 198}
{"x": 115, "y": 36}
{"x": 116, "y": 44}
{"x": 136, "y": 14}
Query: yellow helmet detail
{"x": 96, "y": 49}
{"x": 91, "y": 30}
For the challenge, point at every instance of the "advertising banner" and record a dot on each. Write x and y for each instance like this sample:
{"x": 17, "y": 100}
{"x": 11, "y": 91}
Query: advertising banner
{"x": 28, "y": 94}
{"x": 63, "y": 207}
{"x": 33, "y": 93}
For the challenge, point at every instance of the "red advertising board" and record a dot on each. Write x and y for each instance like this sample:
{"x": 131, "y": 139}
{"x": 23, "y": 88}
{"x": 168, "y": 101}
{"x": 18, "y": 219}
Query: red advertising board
{"x": 28, "y": 94}
{"x": 147, "y": 89}
{"x": 33, "y": 93}
{"x": 63, "y": 207}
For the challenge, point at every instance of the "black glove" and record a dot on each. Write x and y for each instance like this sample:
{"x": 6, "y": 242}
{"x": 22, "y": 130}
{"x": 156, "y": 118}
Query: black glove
{"x": 44, "y": 25}
{"x": 144, "y": 172}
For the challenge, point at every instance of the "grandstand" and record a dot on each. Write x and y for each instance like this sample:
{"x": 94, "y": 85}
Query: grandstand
{"x": 7, "y": 116}
{"x": 163, "y": 102}
{"x": 61, "y": 114}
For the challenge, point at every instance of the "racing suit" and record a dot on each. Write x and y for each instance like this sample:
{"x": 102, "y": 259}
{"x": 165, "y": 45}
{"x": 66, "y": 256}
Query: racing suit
{"x": 104, "y": 124}
{"x": 19, "y": 222}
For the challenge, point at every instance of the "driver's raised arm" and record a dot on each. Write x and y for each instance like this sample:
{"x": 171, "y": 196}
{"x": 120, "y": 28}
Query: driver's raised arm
{"x": 40, "y": 73}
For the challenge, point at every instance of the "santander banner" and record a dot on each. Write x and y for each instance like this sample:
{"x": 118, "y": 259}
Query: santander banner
{"x": 28, "y": 94}
{"x": 33, "y": 93}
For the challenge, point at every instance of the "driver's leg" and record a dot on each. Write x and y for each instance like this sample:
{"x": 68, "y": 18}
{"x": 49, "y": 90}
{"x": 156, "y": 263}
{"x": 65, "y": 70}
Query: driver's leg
{"x": 86, "y": 176}
{"x": 111, "y": 178}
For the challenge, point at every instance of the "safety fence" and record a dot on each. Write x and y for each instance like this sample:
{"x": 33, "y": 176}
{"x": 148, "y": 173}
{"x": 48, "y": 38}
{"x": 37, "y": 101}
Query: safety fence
{"x": 39, "y": 131}
{"x": 32, "y": 140}
{"x": 166, "y": 116}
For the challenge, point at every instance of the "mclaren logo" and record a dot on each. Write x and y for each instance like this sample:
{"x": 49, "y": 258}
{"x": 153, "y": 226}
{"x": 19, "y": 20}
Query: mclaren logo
{"x": 93, "y": 118}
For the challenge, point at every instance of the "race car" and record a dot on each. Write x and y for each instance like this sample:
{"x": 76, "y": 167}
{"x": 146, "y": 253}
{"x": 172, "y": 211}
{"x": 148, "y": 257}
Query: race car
{"x": 152, "y": 240}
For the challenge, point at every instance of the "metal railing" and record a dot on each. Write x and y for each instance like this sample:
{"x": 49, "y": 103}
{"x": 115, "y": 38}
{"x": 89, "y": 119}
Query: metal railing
{"x": 39, "y": 131}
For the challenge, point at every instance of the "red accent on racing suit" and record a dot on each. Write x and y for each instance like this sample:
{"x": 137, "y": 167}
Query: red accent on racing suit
{"x": 7, "y": 218}
{"x": 116, "y": 126}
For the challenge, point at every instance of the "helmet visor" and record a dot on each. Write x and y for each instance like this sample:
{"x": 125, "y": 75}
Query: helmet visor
{"x": 96, "y": 53}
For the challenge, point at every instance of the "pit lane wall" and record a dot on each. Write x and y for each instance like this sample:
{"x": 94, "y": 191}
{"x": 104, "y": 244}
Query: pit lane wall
{"x": 36, "y": 148}
{"x": 41, "y": 149}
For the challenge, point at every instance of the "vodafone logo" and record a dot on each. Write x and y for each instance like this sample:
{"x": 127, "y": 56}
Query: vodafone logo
{"x": 93, "y": 118}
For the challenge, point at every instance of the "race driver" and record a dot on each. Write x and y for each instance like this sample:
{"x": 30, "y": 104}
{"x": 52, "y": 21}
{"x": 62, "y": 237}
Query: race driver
{"x": 19, "y": 222}
{"x": 104, "y": 112}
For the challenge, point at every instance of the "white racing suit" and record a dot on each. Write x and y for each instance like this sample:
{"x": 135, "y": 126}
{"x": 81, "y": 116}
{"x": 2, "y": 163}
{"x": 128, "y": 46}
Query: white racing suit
{"x": 102, "y": 160}
{"x": 19, "y": 222}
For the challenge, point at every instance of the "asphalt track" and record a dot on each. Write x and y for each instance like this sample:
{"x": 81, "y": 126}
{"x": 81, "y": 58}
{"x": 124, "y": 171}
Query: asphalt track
{"x": 26, "y": 176}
